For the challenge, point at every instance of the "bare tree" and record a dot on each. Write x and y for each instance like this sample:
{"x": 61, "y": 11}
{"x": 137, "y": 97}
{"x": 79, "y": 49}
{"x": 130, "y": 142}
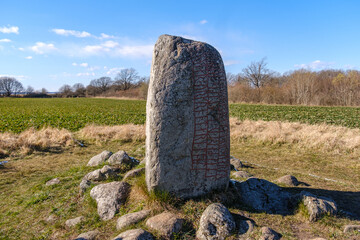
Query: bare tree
{"x": 9, "y": 86}
{"x": 79, "y": 89}
{"x": 29, "y": 90}
{"x": 126, "y": 78}
{"x": 65, "y": 90}
{"x": 102, "y": 84}
{"x": 258, "y": 75}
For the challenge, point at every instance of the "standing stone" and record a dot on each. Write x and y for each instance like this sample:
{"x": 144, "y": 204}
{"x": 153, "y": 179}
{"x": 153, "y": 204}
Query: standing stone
{"x": 187, "y": 119}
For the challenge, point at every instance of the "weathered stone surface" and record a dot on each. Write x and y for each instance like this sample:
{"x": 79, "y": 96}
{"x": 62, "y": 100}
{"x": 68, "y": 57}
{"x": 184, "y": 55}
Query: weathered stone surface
{"x": 264, "y": 196}
{"x": 131, "y": 218}
{"x": 72, "y": 222}
{"x": 84, "y": 184}
{"x": 288, "y": 180}
{"x": 52, "y": 182}
{"x": 351, "y": 228}
{"x": 318, "y": 206}
{"x": 133, "y": 173}
{"x": 135, "y": 234}
{"x": 91, "y": 235}
{"x": 119, "y": 158}
{"x": 100, "y": 174}
{"x": 51, "y": 218}
{"x": 216, "y": 223}
{"x": 245, "y": 227}
{"x": 165, "y": 223}
{"x": 100, "y": 158}
{"x": 236, "y": 163}
{"x": 187, "y": 119}
{"x": 241, "y": 174}
{"x": 109, "y": 197}
{"x": 269, "y": 234}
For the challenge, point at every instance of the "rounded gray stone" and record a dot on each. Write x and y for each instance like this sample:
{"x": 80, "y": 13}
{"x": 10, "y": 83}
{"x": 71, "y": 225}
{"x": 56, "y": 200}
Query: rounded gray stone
{"x": 269, "y": 234}
{"x": 91, "y": 235}
{"x": 216, "y": 223}
{"x": 288, "y": 180}
{"x": 74, "y": 221}
{"x": 131, "y": 218}
{"x": 187, "y": 119}
{"x": 134, "y": 234}
{"x": 119, "y": 158}
{"x": 99, "y": 159}
{"x": 351, "y": 228}
{"x": 165, "y": 223}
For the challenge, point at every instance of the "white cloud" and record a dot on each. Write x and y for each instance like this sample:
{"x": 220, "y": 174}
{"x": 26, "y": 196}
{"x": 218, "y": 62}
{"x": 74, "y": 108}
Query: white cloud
{"x": 18, "y": 77}
{"x": 113, "y": 71}
{"x": 105, "y": 36}
{"x": 28, "y": 57}
{"x": 13, "y": 29}
{"x": 86, "y": 74}
{"x": 113, "y": 48}
{"x": 84, "y": 64}
{"x": 74, "y": 33}
{"x": 74, "y": 64}
{"x": 315, "y": 65}
{"x": 230, "y": 62}
{"x": 203, "y": 21}
{"x": 21, "y": 49}
{"x": 5, "y": 40}
{"x": 42, "y": 48}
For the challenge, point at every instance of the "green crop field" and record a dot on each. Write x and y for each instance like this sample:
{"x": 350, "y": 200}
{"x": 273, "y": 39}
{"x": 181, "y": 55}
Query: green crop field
{"x": 17, "y": 115}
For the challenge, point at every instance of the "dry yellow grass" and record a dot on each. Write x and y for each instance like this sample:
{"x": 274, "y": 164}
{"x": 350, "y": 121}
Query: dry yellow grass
{"x": 127, "y": 132}
{"x": 32, "y": 139}
{"x": 325, "y": 137}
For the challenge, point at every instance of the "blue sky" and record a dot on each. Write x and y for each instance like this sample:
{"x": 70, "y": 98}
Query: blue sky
{"x": 51, "y": 43}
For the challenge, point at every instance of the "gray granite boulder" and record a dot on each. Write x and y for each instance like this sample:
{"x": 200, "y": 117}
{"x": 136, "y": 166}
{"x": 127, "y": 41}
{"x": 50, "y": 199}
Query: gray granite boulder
{"x": 216, "y": 223}
{"x": 91, "y": 235}
{"x": 318, "y": 206}
{"x": 288, "y": 180}
{"x": 74, "y": 221}
{"x": 187, "y": 119}
{"x": 165, "y": 223}
{"x": 134, "y": 234}
{"x": 245, "y": 227}
{"x": 109, "y": 197}
{"x": 265, "y": 196}
{"x": 351, "y": 228}
{"x": 235, "y": 163}
{"x": 99, "y": 159}
{"x": 133, "y": 173}
{"x": 84, "y": 184}
{"x": 131, "y": 218}
{"x": 121, "y": 158}
{"x": 101, "y": 174}
{"x": 269, "y": 234}
{"x": 52, "y": 182}
{"x": 241, "y": 174}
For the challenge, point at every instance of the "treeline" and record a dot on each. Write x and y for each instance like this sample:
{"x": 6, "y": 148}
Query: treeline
{"x": 127, "y": 83}
{"x": 258, "y": 84}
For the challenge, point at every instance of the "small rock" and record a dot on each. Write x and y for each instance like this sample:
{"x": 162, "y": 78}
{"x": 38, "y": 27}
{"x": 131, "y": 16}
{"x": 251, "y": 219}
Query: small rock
{"x": 264, "y": 196}
{"x": 91, "y": 235}
{"x": 119, "y": 158}
{"x": 236, "y": 163}
{"x": 288, "y": 180}
{"x": 100, "y": 174}
{"x": 134, "y": 234}
{"x": 165, "y": 223}
{"x": 241, "y": 174}
{"x": 318, "y": 206}
{"x": 245, "y": 227}
{"x": 131, "y": 218}
{"x": 269, "y": 234}
{"x": 50, "y": 219}
{"x": 133, "y": 173}
{"x": 109, "y": 197}
{"x": 100, "y": 158}
{"x": 351, "y": 228}
{"x": 85, "y": 184}
{"x": 53, "y": 182}
{"x": 216, "y": 222}
{"x": 72, "y": 222}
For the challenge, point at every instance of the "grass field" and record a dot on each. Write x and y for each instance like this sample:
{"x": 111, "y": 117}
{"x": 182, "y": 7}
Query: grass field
{"x": 74, "y": 114}
{"x": 325, "y": 157}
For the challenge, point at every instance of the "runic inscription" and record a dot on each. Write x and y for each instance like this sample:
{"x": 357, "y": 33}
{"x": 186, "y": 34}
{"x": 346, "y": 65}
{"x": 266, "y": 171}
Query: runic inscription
{"x": 187, "y": 120}
{"x": 210, "y": 155}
